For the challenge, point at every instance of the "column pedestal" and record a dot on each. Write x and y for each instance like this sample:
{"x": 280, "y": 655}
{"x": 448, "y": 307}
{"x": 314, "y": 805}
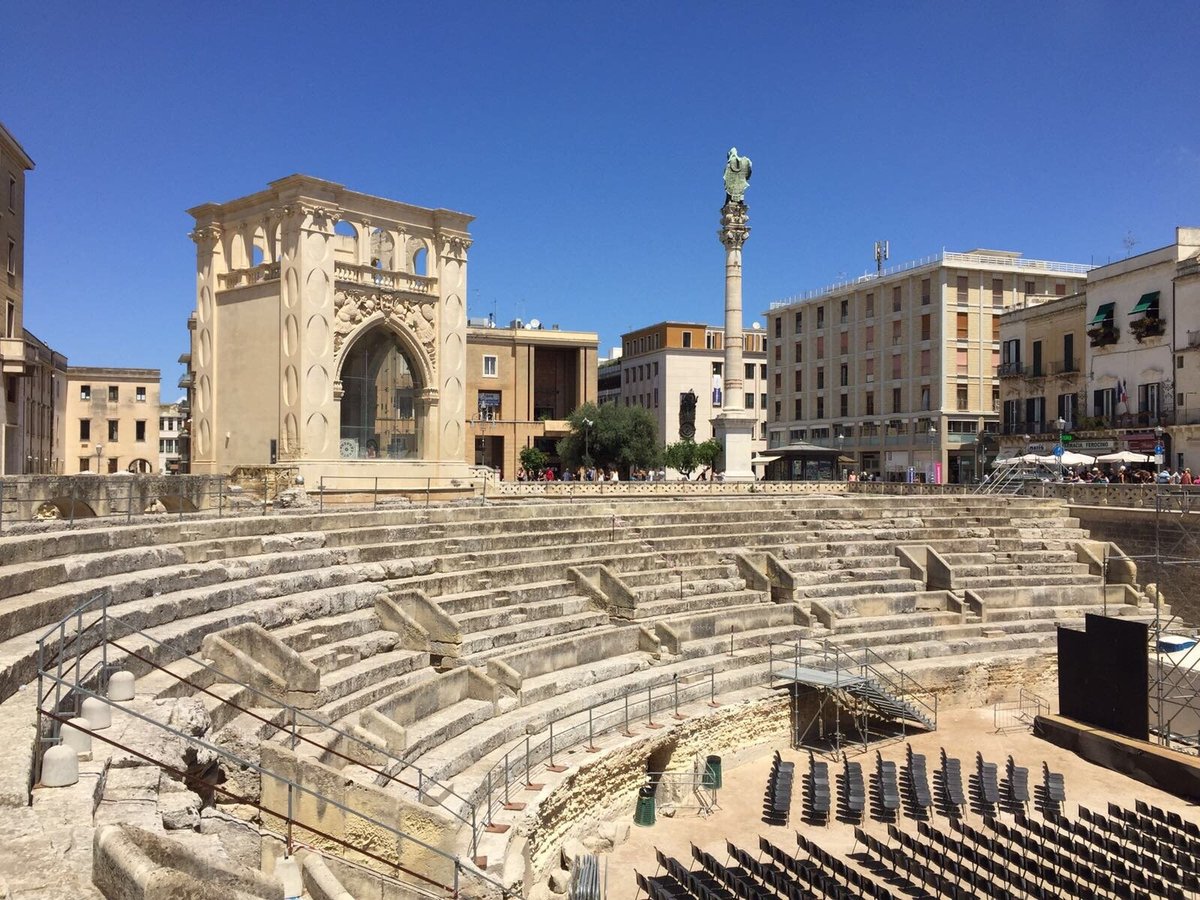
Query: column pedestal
{"x": 734, "y": 428}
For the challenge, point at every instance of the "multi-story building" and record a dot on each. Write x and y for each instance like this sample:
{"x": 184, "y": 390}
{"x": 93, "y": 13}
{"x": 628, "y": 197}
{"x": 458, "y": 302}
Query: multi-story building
{"x": 608, "y": 378}
{"x": 111, "y": 420}
{"x": 41, "y": 406}
{"x": 523, "y": 382}
{"x": 899, "y": 370}
{"x": 662, "y": 363}
{"x": 1135, "y": 384}
{"x": 14, "y": 163}
{"x": 170, "y": 426}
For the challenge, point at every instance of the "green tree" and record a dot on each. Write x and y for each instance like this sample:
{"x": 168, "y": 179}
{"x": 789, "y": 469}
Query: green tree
{"x": 687, "y": 456}
{"x": 610, "y": 437}
{"x": 534, "y": 461}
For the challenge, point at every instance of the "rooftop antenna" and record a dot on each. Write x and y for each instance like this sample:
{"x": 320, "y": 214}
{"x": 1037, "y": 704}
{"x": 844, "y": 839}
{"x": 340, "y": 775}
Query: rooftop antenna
{"x": 882, "y": 254}
{"x": 1129, "y": 242}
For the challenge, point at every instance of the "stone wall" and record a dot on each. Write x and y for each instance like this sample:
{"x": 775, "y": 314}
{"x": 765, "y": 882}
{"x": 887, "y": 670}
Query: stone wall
{"x": 1138, "y": 532}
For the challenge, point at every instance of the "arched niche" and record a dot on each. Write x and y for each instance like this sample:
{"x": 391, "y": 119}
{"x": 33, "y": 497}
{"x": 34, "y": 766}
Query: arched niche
{"x": 383, "y": 250}
{"x": 383, "y": 414}
{"x": 345, "y": 242}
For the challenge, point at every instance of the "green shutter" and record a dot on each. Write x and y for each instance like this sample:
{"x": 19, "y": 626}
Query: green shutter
{"x": 1145, "y": 303}
{"x": 1103, "y": 314}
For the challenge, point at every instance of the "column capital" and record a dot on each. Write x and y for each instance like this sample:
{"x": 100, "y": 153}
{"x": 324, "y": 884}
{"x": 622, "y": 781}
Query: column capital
{"x": 734, "y": 231}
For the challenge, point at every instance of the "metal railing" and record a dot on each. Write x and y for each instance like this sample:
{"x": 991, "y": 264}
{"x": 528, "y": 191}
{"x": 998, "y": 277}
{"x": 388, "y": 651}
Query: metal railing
{"x": 69, "y": 672}
{"x": 828, "y": 657}
{"x": 383, "y": 487}
{"x": 514, "y": 771}
{"x": 1018, "y": 715}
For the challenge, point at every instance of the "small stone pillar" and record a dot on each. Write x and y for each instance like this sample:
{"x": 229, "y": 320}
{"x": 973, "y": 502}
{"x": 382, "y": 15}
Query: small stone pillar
{"x": 121, "y": 686}
{"x": 74, "y": 736}
{"x": 60, "y": 767}
{"x": 96, "y": 712}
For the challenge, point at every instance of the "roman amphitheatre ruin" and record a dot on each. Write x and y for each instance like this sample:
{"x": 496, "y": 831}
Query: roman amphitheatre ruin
{"x": 477, "y": 698}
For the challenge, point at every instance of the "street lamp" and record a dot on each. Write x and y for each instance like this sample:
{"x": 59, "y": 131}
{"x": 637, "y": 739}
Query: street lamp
{"x": 587, "y": 433}
{"x": 841, "y": 439}
{"x": 1159, "y": 449}
{"x": 933, "y": 454}
{"x": 1062, "y": 426}
{"x": 99, "y": 453}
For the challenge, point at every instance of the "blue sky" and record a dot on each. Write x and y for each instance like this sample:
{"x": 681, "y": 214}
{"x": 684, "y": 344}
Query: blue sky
{"x": 589, "y": 140}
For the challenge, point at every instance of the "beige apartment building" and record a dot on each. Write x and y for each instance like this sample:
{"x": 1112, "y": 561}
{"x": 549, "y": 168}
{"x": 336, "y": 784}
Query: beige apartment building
{"x": 524, "y": 381}
{"x": 171, "y": 420}
{"x": 662, "y": 363}
{"x": 899, "y": 370}
{"x": 14, "y": 163}
{"x": 111, "y": 420}
{"x": 1043, "y": 343}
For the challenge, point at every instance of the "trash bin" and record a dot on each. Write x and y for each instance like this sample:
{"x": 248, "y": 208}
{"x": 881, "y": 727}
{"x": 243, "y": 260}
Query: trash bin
{"x": 711, "y": 779}
{"x": 644, "y": 813}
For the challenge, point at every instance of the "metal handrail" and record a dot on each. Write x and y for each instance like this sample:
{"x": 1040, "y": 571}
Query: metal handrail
{"x": 292, "y": 786}
{"x": 496, "y": 783}
{"x": 465, "y": 813}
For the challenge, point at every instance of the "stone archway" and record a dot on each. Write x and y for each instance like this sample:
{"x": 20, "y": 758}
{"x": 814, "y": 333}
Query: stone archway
{"x": 383, "y": 413}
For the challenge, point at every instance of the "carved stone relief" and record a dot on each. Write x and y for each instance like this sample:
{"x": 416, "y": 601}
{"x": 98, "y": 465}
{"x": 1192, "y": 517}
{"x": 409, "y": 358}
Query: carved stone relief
{"x": 352, "y": 308}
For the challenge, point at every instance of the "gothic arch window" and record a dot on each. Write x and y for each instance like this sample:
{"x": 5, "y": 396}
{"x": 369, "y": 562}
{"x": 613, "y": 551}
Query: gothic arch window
{"x": 381, "y": 417}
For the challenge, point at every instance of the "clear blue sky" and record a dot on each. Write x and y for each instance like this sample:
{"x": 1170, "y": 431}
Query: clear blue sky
{"x": 589, "y": 141}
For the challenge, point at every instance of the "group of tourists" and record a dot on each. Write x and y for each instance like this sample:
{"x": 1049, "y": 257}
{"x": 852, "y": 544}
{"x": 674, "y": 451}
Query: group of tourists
{"x": 551, "y": 473}
{"x": 1125, "y": 475}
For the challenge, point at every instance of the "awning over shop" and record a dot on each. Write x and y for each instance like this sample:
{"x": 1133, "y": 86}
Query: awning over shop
{"x": 763, "y": 459}
{"x": 1148, "y": 300}
{"x": 1103, "y": 314}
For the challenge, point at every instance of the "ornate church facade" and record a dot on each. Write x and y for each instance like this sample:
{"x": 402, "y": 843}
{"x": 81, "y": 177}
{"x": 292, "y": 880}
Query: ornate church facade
{"x": 329, "y": 334}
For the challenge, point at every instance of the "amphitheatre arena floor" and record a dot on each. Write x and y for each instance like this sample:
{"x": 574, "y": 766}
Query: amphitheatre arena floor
{"x": 961, "y": 732}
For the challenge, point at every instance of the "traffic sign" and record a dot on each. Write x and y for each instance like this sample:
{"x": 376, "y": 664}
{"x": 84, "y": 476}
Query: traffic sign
{"x": 1158, "y": 449}
{"x": 1058, "y": 451}
{"x": 1067, "y": 438}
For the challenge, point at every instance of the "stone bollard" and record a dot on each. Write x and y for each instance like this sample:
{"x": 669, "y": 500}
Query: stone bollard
{"x": 287, "y": 870}
{"x": 78, "y": 740}
{"x": 60, "y": 767}
{"x": 120, "y": 686}
{"x": 97, "y": 713}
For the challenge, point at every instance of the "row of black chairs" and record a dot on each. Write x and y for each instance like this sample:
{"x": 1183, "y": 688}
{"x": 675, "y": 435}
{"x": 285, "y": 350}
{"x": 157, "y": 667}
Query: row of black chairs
{"x": 1135, "y": 846}
{"x": 854, "y": 788}
{"x": 700, "y": 885}
{"x": 820, "y": 871}
{"x": 1170, "y": 819}
{"x": 918, "y": 779}
{"x": 903, "y": 865}
{"x": 887, "y": 783}
{"x": 1090, "y": 869}
{"x": 952, "y": 782}
{"x": 737, "y": 879}
{"x": 768, "y": 873}
{"x": 777, "y": 804}
{"x": 1154, "y": 831}
{"x": 820, "y": 797}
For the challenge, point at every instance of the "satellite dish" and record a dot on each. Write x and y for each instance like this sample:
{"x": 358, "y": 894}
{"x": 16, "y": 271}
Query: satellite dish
{"x": 534, "y": 324}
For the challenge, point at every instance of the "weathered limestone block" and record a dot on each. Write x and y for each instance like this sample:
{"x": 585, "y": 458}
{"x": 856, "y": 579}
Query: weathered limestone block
{"x": 133, "y": 864}
{"x": 179, "y": 811}
{"x": 250, "y": 654}
{"x": 606, "y": 589}
{"x": 399, "y": 611}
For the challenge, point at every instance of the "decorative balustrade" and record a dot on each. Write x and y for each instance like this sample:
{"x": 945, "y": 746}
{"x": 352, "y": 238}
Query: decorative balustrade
{"x": 381, "y": 278}
{"x": 253, "y": 275}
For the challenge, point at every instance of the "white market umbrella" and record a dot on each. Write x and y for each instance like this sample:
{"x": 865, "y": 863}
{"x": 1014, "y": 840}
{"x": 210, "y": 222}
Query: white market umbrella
{"x": 1027, "y": 459}
{"x": 1125, "y": 456}
{"x": 1070, "y": 458}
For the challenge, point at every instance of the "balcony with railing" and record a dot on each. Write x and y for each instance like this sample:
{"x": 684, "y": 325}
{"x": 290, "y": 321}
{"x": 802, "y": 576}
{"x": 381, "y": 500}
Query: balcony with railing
{"x": 1011, "y": 370}
{"x": 1104, "y": 334}
{"x": 1147, "y": 327}
{"x": 381, "y": 278}
{"x": 252, "y": 275}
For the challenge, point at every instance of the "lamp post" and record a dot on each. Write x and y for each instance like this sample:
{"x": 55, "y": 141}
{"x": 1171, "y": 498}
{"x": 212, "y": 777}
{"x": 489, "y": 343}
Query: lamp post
{"x": 1062, "y": 425}
{"x": 841, "y": 439}
{"x": 1159, "y": 449}
{"x": 933, "y": 454}
{"x": 587, "y": 433}
{"x": 99, "y": 454}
